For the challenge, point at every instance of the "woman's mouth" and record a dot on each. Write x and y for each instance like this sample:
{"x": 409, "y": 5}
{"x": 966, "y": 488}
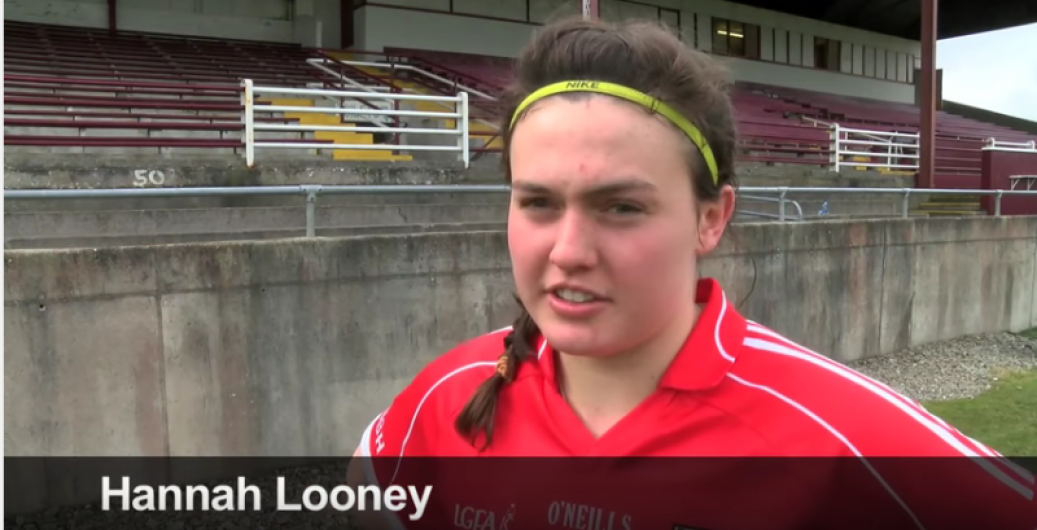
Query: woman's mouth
{"x": 573, "y": 303}
{"x": 571, "y": 295}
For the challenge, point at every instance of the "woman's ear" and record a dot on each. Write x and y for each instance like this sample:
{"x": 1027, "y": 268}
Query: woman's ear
{"x": 713, "y": 219}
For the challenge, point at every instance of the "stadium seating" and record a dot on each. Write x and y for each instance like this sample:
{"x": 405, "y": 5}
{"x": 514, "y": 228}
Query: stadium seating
{"x": 86, "y": 88}
{"x": 958, "y": 139}
{"x": 783, "y": 125}
{"x": 79, "y": 88}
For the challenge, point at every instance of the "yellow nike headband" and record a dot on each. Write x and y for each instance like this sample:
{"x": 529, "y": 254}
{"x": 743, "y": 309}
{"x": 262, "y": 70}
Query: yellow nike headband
{"x": 628, "y": 94}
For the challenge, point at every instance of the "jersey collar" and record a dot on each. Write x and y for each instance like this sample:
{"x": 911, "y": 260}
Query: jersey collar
{"x": 713, "y": 344}
{"x": 707, "y": 354}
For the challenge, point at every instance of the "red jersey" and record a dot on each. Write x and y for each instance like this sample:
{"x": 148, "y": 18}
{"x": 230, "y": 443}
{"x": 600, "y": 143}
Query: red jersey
{"x": 736, "y": 396}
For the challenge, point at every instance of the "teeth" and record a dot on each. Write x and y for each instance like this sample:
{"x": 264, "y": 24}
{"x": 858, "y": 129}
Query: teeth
{"x": 573, "y": 296}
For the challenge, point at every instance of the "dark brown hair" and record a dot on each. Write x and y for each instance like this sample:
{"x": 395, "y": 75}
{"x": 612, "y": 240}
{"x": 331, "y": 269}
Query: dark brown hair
{"x": 641, "y": 55}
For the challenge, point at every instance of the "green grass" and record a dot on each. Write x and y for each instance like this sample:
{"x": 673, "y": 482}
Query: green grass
{"x": 1004, "y": 417}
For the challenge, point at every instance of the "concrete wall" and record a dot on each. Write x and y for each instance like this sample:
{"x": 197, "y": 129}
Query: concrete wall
{"x": 805, "y": 78}
{"x": 65, "y": 171}
{"x": 288, "y": 348}
{"x": 264, "y": 20}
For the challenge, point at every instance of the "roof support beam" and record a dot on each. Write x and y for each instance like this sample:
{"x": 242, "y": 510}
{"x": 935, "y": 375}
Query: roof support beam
{"x": 927, "y": 98}
{"x": 113, "y": 24}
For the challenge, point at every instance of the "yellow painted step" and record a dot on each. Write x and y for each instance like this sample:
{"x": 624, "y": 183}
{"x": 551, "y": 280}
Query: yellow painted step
{"x": 312, "y": 118}
{"x": 357, "y": 154}
{"x": 345, "y": 137}
{"x": 371, "y": 154}
{"x": 412, "y": 85}
{"x": 434, "y": 106}
{"x": 287, "y": 102}
{"x": 476, "y": 126}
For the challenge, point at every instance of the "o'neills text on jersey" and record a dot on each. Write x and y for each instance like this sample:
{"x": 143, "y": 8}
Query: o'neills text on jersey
{"x": 243, "y": 496}
{"x": 583, "y": 517}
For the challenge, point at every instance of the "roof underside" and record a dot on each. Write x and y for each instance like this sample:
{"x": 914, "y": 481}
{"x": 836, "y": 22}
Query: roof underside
{"x": 903, "y": 18}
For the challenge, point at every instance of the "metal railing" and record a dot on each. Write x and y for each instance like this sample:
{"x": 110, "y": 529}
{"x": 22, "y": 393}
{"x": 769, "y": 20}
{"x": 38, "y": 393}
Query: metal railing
{"x": 899, "y": 150}
{"x": 404, "y": 66}
{"x": 1030, "y": 181}
{"x": 310, "y": 192}
{"x": 460, "y": 115}
{"x": 994, "y": 143}
{"x": 782, "y": 201}
{"x": 321, "y": 63}
{"x": 905, "y": 194}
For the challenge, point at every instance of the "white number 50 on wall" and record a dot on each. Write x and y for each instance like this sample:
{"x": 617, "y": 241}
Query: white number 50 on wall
{"x": 143, "y": 177}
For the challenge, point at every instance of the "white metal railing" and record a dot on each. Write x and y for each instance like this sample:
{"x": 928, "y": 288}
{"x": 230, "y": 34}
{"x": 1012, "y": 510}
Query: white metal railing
{"x": 782, "y": 201}
{"x": 895, "y": 150}
{"x": 408, "y": 67}
{"x": 459, "y": 114}
{"x": 311, "y": 191}
{"x": 1030, "y": 181}
{"x": 1001, "y": 145}
{"x": 321, "y": 64}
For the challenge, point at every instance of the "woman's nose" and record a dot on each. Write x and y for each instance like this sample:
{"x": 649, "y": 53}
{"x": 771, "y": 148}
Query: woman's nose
{"x": 574, "y": 246}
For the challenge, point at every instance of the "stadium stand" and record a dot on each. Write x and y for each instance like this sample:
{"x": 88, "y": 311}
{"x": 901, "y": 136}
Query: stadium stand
{"x": 76, "y": 88}
{"x": 84, "y": 88}
{"x": 776, "y": 124}
{"x": 958, "y": 139}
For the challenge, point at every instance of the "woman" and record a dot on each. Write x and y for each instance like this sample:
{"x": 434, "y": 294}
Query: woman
{"x": 619, "y": 147}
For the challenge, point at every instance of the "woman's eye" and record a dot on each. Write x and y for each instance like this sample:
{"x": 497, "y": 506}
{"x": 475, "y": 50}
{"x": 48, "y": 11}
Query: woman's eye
{"x": 624, "y": 208}
{"x": 534, "y": 202}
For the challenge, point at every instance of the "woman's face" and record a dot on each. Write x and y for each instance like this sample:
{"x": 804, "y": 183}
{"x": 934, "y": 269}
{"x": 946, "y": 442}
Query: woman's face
{"x": 603, "y": 226}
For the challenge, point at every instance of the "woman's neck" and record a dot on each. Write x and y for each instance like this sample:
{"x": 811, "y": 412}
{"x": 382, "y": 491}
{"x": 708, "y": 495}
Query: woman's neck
{"x": 602, "y": 390}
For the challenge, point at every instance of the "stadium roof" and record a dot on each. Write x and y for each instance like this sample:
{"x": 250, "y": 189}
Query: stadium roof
{"x": 902, "y": 18}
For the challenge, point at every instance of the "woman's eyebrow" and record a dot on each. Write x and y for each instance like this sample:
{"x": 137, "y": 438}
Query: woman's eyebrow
{"x": 605, "y": 189}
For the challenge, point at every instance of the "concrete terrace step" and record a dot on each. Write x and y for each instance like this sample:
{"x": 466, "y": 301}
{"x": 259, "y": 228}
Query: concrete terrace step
{"x": 956, "y": 205}
{"x": 946, "y": 213}
{"x": 76, "y": 93}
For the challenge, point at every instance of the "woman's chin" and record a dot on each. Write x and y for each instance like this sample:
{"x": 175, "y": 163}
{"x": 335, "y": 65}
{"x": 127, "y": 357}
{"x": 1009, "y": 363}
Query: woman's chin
{"x": 577, "y": 339}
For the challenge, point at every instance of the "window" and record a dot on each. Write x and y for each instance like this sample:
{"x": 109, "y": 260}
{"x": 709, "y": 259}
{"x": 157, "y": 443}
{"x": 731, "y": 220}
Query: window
{"x": 736, "y": 39}
{"x": 827, "y": 54}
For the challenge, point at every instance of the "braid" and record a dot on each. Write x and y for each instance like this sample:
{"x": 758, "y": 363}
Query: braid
{"x": 477, "y": 416}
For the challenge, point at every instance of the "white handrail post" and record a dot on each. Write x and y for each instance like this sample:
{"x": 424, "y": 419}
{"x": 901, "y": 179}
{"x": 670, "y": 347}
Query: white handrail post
{"x": 463, "y": 124}
{"x": 835, "y": 147}
{"x": 248, "y": 104}
{"x": 918, "y": 150}
{"x": 889, "y": 151}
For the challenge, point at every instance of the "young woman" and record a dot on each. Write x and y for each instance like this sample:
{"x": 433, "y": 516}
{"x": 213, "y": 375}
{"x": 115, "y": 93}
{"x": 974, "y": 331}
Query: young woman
{"x": 619, "y": 147}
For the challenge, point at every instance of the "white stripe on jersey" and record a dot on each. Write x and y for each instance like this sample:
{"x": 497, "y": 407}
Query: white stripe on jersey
{"x": 1020, "y": 472}
{"x": 414, "y": 418}
{"x": 927, "y": 420}
{"x": 716, "y": 329}
{"x": 835, "y": 433}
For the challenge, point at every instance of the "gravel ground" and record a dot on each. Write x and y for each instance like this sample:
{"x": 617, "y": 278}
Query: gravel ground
{"x": 952, "y": 369}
